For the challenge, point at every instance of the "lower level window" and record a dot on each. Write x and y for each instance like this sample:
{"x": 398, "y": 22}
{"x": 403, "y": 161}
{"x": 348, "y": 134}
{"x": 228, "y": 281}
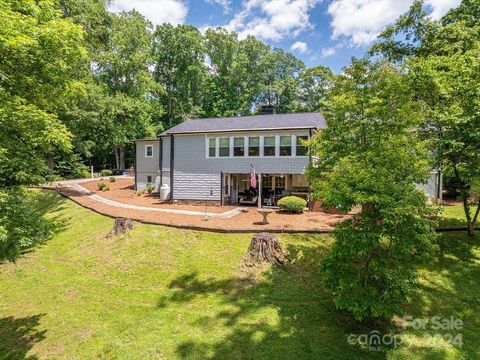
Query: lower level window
{"x": 149, "y": 179}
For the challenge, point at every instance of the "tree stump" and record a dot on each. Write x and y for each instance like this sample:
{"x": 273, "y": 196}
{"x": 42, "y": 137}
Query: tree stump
{"x": 265, "y": 247}
{"x": 121, "y": 226}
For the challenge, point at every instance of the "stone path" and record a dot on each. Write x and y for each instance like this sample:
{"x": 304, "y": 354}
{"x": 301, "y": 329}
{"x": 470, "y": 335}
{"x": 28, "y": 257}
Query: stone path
{"x": 100, "y": 199}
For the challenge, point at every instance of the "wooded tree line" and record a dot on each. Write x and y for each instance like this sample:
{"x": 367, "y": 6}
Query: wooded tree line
{"x": 133, "y": 80}
{"x": 78, "y": 83}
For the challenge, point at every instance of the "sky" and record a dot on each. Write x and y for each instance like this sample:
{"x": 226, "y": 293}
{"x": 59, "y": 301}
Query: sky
{"x": 320, "y": 32}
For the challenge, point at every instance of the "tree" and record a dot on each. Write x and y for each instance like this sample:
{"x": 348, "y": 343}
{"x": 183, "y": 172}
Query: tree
{"x": 369, "y": 157}
{"x": 315, "y": 83}
{"x": 124, "y": 69}
{"x": 281, "y": 86}
{"x": 443, "y": 62}
{"x": 40, "y": 55}
{"x": 178, "y": 58}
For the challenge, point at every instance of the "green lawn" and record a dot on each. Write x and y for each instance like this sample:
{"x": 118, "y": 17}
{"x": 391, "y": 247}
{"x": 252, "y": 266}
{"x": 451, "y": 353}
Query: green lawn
{"x": 164, "y": 293}
{"x": 453, "y": 217}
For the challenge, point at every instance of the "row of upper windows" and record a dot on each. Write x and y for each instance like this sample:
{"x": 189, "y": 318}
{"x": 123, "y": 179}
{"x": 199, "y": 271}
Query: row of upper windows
{"x": 254, "y": 146}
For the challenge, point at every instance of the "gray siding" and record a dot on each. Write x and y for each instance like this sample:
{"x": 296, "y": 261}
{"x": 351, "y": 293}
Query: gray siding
{"x": 195, "y": 175}
{"x": 147, "y": 166}
{"x": 433, "y": 186}
{"x": 166, "y": 153}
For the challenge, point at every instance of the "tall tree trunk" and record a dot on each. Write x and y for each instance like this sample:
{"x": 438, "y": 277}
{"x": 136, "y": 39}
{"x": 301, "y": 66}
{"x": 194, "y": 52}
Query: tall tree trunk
{"x": 120, "y": 157}
{"x": 464, "y": 195}
{"x": 470, "y": 224}
{"x": 50, "y": 164}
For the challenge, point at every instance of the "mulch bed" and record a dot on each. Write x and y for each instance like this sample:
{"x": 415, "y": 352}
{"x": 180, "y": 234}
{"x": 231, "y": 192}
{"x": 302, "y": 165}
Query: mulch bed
{"x": 248, "y": 221}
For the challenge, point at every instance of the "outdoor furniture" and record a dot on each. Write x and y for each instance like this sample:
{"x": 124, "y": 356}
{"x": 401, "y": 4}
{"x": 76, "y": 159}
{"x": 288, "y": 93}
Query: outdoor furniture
{"x": 249, "y": 200}
{"x": 264, "y": 213}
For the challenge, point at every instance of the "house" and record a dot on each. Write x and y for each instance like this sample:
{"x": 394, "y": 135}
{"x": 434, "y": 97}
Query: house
{"x": 211, "y": 160}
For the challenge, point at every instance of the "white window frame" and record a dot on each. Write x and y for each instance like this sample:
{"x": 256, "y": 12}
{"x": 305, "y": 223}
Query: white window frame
{"x": 259, "y": 146}
{"x": 233, "y": 146}
{"x": 229, "y": 138}
{"x": 291, "y": 146}
{"x": 146, "y": 151}
{"x": 295, "y": 145}
{"x": 246, "y": 139}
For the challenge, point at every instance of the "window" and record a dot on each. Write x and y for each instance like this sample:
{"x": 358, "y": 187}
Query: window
{"x": 224, "y": 150}
{"x": 302, "y": 149}
{"x": 254, "y": 146}
{"x": 149, "y": 179}
{"x": 148, "y": 150}
{"x": 285, "y": 145}
{"x": 269, "y": 146}
{"x": 211, "y": 147}
{"x": 267, "y": 182}
{"x": 280, "y": 182}
{"x": 239, "y": 146}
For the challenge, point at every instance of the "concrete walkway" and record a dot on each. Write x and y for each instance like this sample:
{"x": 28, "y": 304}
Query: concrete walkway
{"x": 75, "y": 185}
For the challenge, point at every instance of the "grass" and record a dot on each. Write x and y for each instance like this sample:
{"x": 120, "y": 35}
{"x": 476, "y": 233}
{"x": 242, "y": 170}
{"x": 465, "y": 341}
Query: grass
{"x": 162, "y": 293}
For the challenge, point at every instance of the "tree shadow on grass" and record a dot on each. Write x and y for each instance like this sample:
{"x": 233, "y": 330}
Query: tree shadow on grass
{"x": 449, "y": 288}
{"x": 304, "y": 323}
{"x": 18, "y": 336}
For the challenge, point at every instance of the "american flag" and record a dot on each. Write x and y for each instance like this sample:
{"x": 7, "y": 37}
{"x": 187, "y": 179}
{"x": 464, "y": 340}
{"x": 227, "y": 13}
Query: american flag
{"x": 253, "y": 177}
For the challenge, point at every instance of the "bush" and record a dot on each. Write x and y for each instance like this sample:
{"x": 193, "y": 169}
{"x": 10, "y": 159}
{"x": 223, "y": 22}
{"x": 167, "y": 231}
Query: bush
{"x": 149, "y": 188}
{"x": 21, "y": 226}
{"x": 112, "y": 179}
{"x": 81, "y": 173}
{"x": 51, "y": 178}
{"x": 106, "y": 172}
{"x": 292, "y": 204}
{"x": 102, "y": 186}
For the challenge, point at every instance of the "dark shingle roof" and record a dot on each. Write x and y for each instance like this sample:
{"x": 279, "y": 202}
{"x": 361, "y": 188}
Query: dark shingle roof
{"x": 257, "y": 122}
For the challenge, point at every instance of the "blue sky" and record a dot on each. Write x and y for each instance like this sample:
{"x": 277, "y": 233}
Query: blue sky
{"x": 325, "y": 32}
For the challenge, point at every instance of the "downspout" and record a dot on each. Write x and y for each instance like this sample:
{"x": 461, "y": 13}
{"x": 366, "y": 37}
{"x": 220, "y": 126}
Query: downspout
{"x": 221, "y": 188}
{"x": 439, "y": 187}
{"x": 135, "y": 164}
{"x": 172, "y": 169}
{"x": 160, "y": 161}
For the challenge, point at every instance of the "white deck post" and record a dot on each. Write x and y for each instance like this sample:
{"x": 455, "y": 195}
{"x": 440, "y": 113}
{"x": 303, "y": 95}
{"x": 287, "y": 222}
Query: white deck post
{"x": 259, "y": 190}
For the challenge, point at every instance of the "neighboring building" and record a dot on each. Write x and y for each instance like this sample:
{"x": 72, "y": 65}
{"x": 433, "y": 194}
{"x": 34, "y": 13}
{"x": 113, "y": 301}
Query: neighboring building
{"x": 212, "y": 159}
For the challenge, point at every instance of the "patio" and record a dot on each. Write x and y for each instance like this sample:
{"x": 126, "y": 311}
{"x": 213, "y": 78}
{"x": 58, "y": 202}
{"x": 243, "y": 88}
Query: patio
{"x": 149, "y": 209}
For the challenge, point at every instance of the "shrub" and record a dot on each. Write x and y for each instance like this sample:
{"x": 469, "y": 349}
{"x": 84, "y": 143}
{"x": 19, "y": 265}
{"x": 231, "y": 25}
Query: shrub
{"x": 106, "y": 172}
{"x": 292, "y": 203}
{"x": 102, "y": 186}
{"x": 81, "y": 173}
{"x": 112, "y": 179}
{"x": 51, "y": 178}
{"x": 21, "y": 226}
{"x": 149, "y": 188}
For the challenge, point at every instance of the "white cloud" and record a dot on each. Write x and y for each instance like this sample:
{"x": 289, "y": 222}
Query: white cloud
{"x": 362, "y": 20}
{"x": 441, "y": 7}
{"x": 328, "y": 51}
{"x": 157, "y": 11}
{"x": 272, "y": 19}
{"x": 225, "y": 4}
{"x": 300, "y": 46}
